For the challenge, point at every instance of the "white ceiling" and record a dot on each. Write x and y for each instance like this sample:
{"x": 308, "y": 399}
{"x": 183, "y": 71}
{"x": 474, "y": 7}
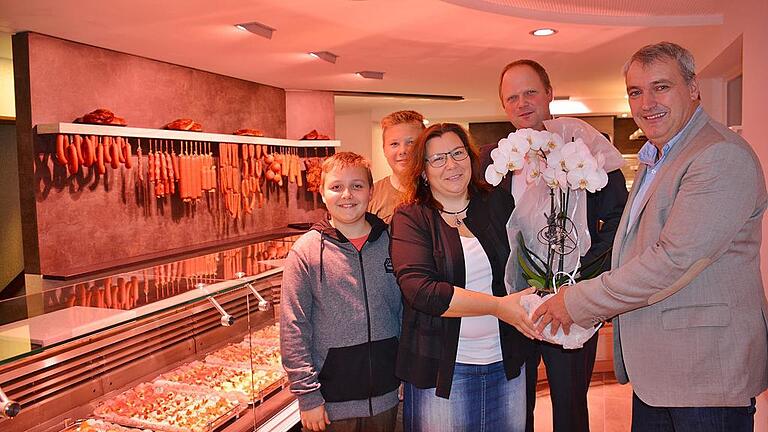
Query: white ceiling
{"x": 451, "y": 47}
{"x": 606, "y": 12}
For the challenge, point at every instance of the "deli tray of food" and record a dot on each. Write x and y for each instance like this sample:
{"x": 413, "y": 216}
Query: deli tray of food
{"x": 95, "y": 425}
{"x": 240, "y": 355}
{"x": 227, "y": 382}
{"x": 164, "y": 408}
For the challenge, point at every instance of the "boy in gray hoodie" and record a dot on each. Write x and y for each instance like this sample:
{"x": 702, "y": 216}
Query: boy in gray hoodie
{"x": 341, "y": 310}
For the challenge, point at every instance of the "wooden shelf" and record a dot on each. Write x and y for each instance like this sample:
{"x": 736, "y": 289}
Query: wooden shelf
{"x": 132, "y": 132}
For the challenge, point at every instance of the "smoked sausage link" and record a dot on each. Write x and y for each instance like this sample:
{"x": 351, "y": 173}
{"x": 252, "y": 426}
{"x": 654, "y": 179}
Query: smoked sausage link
{"x": 61, "y": 155}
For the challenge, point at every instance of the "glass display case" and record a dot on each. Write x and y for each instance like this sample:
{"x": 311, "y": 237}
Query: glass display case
{"x": 189, "y": 344}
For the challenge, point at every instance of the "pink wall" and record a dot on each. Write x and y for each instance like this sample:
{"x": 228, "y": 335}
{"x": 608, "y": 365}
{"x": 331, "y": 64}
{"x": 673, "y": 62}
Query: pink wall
{"x": 70, "y": 79}
{"x": 75, "y": 224}
{"x": 748, "y": 17}
{"x": 755, "y": 111}
{"x": 306, "y": 110}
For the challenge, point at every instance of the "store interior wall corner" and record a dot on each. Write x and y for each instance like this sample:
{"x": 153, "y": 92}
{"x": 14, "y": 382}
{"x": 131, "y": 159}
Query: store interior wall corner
{"x": 11, "y": 251}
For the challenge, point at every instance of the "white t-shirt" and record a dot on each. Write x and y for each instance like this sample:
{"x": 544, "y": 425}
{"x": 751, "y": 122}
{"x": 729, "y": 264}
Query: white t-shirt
{"x": 479, "y": 341}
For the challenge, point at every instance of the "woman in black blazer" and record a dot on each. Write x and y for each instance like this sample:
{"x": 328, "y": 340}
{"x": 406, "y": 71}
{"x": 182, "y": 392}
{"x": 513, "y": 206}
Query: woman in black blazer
{"x": 464, "y": 339}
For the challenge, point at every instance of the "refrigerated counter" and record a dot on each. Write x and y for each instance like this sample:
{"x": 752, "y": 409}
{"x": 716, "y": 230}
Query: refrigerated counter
{"x": 188, "y": 344}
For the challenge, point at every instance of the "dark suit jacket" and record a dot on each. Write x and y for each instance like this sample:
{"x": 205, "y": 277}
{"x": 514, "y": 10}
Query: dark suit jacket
{"x": 605, "y": 205}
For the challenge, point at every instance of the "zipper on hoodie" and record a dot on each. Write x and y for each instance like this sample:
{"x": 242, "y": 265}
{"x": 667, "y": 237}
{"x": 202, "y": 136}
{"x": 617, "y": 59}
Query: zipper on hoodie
{"x": 368, "y": 318}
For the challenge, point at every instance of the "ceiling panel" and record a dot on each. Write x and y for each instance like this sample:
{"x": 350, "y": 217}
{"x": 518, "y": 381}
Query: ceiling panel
{"x": 425, "y": 47}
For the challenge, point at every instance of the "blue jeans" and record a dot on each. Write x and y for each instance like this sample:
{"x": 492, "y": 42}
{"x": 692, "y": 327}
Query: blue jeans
{"x": 482, "y": 400}
{"x": 646, "y": 418}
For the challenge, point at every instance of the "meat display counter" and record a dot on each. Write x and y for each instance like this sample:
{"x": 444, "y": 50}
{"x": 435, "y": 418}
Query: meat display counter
{"x": 180, "y": 346}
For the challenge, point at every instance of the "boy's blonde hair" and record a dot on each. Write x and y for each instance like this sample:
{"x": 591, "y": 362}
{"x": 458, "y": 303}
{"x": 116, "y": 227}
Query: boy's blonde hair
{"x": 346, "y": 160}
{"x": 400, "y": 117}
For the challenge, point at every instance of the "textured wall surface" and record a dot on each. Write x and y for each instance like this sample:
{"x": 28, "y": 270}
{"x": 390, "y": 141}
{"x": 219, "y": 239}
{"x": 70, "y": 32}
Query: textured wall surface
{"x": 88, "y": 222}
{"x": 70, "y": 79}
{"x": 307, "y": 110}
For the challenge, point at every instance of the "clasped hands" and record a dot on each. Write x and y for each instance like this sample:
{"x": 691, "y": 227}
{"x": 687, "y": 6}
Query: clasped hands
{"x": 552, "y": 312}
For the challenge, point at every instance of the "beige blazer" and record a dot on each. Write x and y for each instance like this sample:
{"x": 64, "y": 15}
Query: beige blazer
{"x": 685, "y": 286}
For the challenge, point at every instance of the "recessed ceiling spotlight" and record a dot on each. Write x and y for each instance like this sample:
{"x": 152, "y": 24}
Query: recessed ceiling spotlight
{"x": 544, "y": 32}
{"x": 370, "y": 74}
{"x": 256, "y": 28}
{"x": 325, "y": 55}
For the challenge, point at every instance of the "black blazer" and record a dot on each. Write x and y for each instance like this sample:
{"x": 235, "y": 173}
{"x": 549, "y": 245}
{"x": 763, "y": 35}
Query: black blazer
{"x": 428, "y": 261}
{"x": 605, "y": 205}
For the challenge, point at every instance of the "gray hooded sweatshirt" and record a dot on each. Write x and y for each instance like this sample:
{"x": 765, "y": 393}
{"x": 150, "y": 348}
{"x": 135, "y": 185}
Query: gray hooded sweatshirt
{"x": 340, "y": 322}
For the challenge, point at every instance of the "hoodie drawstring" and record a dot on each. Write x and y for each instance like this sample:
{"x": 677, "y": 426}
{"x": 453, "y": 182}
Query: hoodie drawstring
{"x": 322, "y": 249}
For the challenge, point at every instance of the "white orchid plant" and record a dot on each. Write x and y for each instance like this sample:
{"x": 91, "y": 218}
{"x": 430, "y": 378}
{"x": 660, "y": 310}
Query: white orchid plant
{"x": 563, "y": 166}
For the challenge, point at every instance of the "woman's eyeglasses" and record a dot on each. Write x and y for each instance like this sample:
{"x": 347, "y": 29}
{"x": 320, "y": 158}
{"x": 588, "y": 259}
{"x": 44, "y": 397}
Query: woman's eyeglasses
{"x": 437, "y": 160}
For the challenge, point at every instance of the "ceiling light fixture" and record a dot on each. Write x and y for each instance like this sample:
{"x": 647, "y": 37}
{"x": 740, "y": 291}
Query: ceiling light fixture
{"x": 544, "y": 32}
{"x": 384, "y": 95}
{"x": 256, "y": 28}
{"x": 325, "y": 55}
{"x": 370, "y": 74}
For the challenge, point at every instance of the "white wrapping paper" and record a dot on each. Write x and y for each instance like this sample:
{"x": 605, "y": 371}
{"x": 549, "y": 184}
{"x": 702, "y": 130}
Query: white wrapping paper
{"x": 577, "y": 337}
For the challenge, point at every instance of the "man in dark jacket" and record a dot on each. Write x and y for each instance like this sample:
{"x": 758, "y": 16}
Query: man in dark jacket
{"x": 525, "y": 92}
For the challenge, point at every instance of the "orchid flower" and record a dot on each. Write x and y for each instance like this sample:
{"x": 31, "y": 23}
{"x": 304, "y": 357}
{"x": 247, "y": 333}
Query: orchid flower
{"x": 590, "y": 179}
{"x": 555, "y": 178}
{"x": 533, "y": 169}
{"x": 602, "y": 179}
{"x": 492, "y": 176}
{"x": 510, "y": 154}
{"x": 576, "y": 156}
{"x": 555, "y": 159}
{"x": 544, "y": 155}
{"x": 514, "y": 143}
{"x": 554, "y": 142}
{"x": 536, "y": 139}
{"x": 504, "y": 162}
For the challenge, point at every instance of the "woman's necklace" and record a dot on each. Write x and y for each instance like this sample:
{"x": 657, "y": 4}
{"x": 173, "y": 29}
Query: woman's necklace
{"x": 456, "y": 214}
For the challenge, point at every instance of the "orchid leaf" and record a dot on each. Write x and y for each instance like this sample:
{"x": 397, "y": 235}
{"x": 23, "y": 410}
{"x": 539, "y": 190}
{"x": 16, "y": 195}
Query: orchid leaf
{"x": 594, "y": 267}
{"x": 527, "y": 271}
{"x": 536, "y": 283}
{"x": 530, "y": 255}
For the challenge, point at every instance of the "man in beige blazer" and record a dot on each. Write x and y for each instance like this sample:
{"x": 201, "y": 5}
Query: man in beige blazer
{"x": 685, "y": 288}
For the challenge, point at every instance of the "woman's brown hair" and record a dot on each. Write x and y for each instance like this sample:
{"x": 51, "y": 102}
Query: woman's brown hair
{"x": 416, "y": 189}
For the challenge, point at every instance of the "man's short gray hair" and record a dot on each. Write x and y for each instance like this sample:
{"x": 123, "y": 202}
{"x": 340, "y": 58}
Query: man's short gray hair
{"x": 663, "y": 51}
